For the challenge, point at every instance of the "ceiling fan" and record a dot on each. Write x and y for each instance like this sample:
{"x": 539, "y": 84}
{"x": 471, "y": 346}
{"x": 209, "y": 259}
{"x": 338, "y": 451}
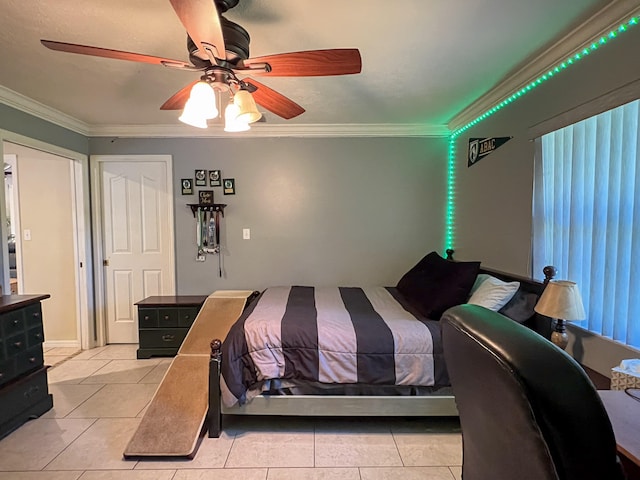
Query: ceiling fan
{"x": 219, "y": 49}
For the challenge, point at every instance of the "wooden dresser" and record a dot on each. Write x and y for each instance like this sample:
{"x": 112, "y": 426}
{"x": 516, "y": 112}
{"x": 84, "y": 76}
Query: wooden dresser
{"x": 164, "y": 321}
{"x": 24, "y": 392}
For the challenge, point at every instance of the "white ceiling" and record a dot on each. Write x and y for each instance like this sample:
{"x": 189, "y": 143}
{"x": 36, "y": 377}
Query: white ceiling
{"x": 423, "y": 60}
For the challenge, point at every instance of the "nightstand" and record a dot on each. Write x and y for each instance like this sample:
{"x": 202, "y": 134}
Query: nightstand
{"x": 163, "y": 322}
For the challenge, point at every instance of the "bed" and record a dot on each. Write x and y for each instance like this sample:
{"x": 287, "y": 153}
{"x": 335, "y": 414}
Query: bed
{"x": 356, "y": 351}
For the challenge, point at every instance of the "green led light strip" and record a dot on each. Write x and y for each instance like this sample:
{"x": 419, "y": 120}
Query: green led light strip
{"x": 451, "y": 175}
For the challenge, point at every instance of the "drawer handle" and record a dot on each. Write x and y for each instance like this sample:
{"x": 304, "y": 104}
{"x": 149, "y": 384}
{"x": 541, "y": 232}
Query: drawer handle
{"x": 31, "y": 392}
{"x": 17, "y": 344}
{"x": 38, "y": 336}
{"x": 187, "y": 316}
{"x": 1, "y": 375}
{"x": 15, "y": 322}
{"x": 36, "y": 315}
{"x": 146, "y": 317}
{"x": 32, "y": 359}
{"x": 166, "y": 317}
{"x": 168, "y": 338}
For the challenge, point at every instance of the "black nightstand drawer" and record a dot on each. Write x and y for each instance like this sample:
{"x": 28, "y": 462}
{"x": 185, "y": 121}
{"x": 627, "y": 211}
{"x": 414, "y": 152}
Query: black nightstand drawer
{"x": 147, "y": 317}
{"x": 162, "y": 337}
{"x": 186, "y": 316}
{"x": 167, "y": 317}
{"x": 33, "y": 315}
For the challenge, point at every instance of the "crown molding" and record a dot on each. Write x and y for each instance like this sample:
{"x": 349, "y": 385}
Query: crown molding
{"x": 261, "y": 130}
{"x": 40, "y": 110}
{"x": 601, "y": 23}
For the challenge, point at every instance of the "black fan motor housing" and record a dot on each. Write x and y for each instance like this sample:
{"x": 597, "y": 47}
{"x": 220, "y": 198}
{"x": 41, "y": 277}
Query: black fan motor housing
{"x": 236, "y": 41}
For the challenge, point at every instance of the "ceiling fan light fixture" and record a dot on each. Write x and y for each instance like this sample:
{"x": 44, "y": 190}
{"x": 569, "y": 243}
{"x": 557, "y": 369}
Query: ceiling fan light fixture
{"x": 192, "y": 115}
{"x": 232, "y": 123}
{"x": 248, "y": 111}
{"x": 204, "y": 99}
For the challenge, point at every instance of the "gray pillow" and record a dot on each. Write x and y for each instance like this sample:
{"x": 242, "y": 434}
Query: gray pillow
{"x": 520, "y": 307}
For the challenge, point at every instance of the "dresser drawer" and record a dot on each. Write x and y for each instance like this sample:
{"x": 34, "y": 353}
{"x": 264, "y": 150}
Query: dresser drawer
{"x": 162, "y": 337}
{"x": 22, "y": 395}
{"x": 167, "y": 317}
{"x": 33, "y": 315}
{"x": 147, "y": 317}
{"x": 29, "y": 359}
{"x": 15, "y": 344}
{"x": 187, "y": 315}
{"x": 35, "y": 336}
{"x": 11, "y": 323}
{"x": 7, "y": 370}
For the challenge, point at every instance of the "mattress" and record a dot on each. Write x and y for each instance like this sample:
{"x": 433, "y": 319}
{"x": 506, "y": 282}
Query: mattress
{"x": 359, "y": 337}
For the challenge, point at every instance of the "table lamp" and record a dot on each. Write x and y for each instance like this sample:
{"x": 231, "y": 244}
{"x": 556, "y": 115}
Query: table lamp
{"x": 561, "y": 300}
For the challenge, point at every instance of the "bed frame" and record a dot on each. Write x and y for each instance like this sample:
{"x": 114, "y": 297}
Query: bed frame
{"x": 343, "y": 405}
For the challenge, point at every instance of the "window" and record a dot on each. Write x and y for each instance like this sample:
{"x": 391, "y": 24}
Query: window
{"x": 586, "y": 216}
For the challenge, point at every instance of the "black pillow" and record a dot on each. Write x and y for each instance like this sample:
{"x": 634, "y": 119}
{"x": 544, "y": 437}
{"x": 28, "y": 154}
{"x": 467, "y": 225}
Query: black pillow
{"x": 436, "y": 284}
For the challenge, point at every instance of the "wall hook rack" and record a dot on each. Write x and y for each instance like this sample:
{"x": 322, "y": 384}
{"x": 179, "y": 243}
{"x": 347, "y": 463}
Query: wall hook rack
{"x": 216, "y": 207}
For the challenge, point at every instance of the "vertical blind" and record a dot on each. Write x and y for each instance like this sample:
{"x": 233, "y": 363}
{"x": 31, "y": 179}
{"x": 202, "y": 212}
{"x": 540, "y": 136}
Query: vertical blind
{"x": 586, "y": 217}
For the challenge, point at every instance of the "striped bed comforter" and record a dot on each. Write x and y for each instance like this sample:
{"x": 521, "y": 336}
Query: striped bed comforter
{"x": 336, "y": 335}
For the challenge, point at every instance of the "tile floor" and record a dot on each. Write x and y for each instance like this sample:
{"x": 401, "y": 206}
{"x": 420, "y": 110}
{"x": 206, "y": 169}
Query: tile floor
{"x": 100, "y": 395}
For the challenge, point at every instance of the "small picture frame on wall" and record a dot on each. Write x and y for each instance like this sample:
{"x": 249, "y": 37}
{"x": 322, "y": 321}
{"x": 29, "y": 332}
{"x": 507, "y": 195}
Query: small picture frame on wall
{"x": 187, "y": 186}
{"x": 205, "y": 197}
{"x": 215, "y": 178}
{"x": 201, "y": 178}
{"x": 229, "y": 186}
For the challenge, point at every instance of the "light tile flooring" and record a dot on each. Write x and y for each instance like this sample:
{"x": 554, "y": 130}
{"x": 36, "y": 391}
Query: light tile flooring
{"x": 100, "y": 395}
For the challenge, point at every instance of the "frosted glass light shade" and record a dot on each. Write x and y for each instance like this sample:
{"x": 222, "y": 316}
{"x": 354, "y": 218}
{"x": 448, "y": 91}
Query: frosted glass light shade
{"x": 248, "y": 110}
{"x": 561, "y": 299}
{"x": 204, "y": 99}
{"x": 192, "y": 115}
{"x": 231, "y": 121}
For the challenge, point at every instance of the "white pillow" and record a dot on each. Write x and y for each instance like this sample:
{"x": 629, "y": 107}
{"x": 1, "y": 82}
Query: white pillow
{"x": 491, "y": 292}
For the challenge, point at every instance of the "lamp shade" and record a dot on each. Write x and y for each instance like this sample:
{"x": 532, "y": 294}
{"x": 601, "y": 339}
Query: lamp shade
{"x": 561, "y": 299}
{"x": 231, "y": 121}
{"x": 248, "y": 109}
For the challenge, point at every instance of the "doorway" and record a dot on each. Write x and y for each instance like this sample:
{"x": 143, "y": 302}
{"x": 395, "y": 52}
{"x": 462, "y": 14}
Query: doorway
{"x": 45, "y": 217}
{"x": 133, "y": 221}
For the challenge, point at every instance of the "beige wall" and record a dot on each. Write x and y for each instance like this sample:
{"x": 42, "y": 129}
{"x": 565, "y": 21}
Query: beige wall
{"x": 45, "y": 206}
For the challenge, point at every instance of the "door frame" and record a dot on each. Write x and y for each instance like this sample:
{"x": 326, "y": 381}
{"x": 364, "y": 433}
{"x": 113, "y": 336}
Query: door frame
{"x": 85, "y": 324}
{"x": 97, "y": 209}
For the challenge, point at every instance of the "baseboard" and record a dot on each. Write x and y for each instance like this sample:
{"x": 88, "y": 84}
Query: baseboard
{"x": 61, "y": 344}
{"x": 597, "y": 352}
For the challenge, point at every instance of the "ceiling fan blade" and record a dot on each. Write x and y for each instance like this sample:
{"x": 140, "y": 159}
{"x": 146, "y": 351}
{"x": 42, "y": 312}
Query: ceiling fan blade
{"x": 177, "y": 101}
{"x": 273, "y": 101}
{"x": 115, "y": 54}
{"x": 202, "y": 22}
{"x": 311, "y": 63}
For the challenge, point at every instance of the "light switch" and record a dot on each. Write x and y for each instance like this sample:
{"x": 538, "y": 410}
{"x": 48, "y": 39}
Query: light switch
{"x": 26, "y": 234}
{"x": 246, "y": 233}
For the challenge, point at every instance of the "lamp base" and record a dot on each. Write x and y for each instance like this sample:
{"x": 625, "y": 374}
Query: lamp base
{"x": 559, "y": 335}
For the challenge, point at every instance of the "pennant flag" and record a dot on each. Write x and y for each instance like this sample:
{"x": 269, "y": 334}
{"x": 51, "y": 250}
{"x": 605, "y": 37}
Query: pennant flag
{"x": 481, "y": 147}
